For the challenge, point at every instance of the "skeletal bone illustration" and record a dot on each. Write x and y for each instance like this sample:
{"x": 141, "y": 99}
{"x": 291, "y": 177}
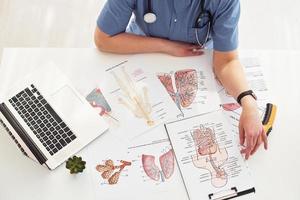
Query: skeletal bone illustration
{"x": 182, "y": 87}
{"x": 108, "y": 170}
{"x": 167, "y": 163}
{"x": 209, "y": 156}
{"x": 135, "y": 98}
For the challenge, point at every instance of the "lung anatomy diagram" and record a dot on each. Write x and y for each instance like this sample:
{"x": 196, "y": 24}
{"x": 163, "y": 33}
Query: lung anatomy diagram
{"x": 134, "y": 98}
{"x": 209, "y": 156}
{"x": 167, "y": 163}
{"x": 182, "y": 86}
{"x": 111, "y": 172}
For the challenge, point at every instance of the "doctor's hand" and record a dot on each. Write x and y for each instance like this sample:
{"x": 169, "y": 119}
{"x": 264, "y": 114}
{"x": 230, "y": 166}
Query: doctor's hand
{"x": 181, "y": 49}
{"x": 251, "y": 130}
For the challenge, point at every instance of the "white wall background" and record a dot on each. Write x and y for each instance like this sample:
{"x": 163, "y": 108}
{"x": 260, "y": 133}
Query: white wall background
{"x": 264, "y": 24}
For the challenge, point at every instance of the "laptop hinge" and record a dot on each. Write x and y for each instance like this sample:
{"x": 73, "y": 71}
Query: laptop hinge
{"x": 23, "y": 134}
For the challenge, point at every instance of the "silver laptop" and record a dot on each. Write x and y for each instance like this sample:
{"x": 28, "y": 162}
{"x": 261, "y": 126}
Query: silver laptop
{"x": 48, "y": 119}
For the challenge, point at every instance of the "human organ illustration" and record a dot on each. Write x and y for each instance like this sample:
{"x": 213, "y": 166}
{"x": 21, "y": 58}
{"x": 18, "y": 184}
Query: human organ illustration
{"x": 182, "y": 87}
{"x": 209, "y": 156}
{"x": 111, "y": 172}
{"x": 134, "y": 97}
{"x": 230, "y": 106}
{"x": 167, "y": 163}
{"x": 98, "y": 101}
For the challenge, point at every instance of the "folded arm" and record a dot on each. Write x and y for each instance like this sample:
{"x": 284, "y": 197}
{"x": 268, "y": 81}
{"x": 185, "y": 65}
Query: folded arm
{"x": 126, "y": 43}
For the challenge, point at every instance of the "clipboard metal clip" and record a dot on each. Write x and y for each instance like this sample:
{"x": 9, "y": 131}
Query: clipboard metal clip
{"x": 229, "y": 194}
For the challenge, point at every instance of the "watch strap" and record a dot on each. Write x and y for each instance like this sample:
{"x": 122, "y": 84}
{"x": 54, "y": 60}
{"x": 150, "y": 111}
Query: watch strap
{"x": 245, "y": 93}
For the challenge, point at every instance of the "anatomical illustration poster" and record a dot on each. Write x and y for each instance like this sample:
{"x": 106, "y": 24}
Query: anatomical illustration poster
{"x": 188, "y": 82}
{"x": 135, "y": 100}
{"x": 144, "y": 168}
{"x": 209, "y": 157}
{"x": 190, "y": 88}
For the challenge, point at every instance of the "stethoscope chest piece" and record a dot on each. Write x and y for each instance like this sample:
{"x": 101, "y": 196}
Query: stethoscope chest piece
{"x": 150, "y": 18}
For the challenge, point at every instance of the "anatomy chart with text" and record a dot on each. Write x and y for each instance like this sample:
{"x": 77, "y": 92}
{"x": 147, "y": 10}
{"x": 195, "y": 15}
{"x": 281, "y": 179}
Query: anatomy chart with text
{"x": 136, "y": 100}
{"x": 209, "y": 157}
{"x": 145, "y": 168}
{"x": 191, "y": 89}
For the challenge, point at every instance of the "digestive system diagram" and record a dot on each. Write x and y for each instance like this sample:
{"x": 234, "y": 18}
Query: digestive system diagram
{"x": 167, "y": 163}
{"x": 209, "y": 155}
{"x": 111, "y": 172}
{"x": 134, "y": 97}
{"x": 182, "y": 86}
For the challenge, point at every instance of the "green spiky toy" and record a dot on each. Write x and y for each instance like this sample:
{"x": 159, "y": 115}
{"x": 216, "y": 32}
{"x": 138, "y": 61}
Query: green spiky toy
{"x": 75, "y": 165}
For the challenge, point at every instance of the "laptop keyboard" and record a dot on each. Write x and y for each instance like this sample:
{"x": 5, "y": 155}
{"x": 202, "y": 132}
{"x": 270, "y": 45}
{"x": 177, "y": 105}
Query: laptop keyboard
{"x": 47, "y": 126}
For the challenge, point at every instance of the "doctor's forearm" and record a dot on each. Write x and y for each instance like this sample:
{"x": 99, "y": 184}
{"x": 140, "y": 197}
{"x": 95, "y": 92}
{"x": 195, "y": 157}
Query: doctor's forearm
{"x": 126, "y": 43}
{"x": 229, "y": 71}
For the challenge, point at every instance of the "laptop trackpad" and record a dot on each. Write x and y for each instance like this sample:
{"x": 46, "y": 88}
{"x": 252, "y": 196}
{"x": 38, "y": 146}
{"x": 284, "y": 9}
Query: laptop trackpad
{"x": 66, "y": 103}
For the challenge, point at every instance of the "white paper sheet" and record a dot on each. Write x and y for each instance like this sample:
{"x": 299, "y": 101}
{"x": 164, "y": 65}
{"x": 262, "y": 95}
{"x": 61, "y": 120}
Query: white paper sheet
{"x": 189, "y": 81}
{"x": 150, "y": 172}
{"x": 191, "y": 88}
{"x": 208, "y": 156}
{"x": 138, "y": 101}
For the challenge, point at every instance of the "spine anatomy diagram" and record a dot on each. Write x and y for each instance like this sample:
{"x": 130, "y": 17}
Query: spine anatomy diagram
{"x": 134, "y": 98}
{"x": 111, "y": 172}
{"x": 209, "y": 156}
{"x": 167, "y": 163}
{"x": 182, "y": 87}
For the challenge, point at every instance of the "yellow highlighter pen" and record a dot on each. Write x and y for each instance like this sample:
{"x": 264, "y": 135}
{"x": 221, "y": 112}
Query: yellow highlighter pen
{"x": 269, "y": 118}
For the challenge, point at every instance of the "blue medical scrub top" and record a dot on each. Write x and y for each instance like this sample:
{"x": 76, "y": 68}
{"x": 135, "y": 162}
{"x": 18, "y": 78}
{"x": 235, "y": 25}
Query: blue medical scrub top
{"x": 175, "y": 20}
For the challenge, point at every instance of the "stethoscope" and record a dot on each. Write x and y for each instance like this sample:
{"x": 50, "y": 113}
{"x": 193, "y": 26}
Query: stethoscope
{"x": 150, "y": 17}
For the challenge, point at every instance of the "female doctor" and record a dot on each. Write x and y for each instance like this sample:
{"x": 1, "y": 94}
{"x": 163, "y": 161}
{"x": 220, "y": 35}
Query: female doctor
{"x": 184, "y": 28}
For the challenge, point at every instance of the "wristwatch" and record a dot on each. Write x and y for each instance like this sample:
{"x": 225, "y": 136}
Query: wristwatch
{"x": 246, "y": 93}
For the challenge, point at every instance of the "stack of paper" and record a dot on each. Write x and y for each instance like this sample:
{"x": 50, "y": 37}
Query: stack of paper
{"x": 194, "y": 156}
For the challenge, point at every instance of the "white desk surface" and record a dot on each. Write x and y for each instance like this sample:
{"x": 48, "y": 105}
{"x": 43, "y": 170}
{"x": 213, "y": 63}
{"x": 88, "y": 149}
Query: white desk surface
{"x": 275, "y": 172}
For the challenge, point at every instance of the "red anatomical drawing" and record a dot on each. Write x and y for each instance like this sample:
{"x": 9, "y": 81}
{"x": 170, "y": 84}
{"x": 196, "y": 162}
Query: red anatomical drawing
{"x": 167, "y": 163}
{"x": 230, "y": 106}
{"x": 111, "y": 172}
{"x": 98, "y": 101}
{"x": 150, "y": 167}
{"x": 182, "y": 87}
{"x": 209, "y": 155}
